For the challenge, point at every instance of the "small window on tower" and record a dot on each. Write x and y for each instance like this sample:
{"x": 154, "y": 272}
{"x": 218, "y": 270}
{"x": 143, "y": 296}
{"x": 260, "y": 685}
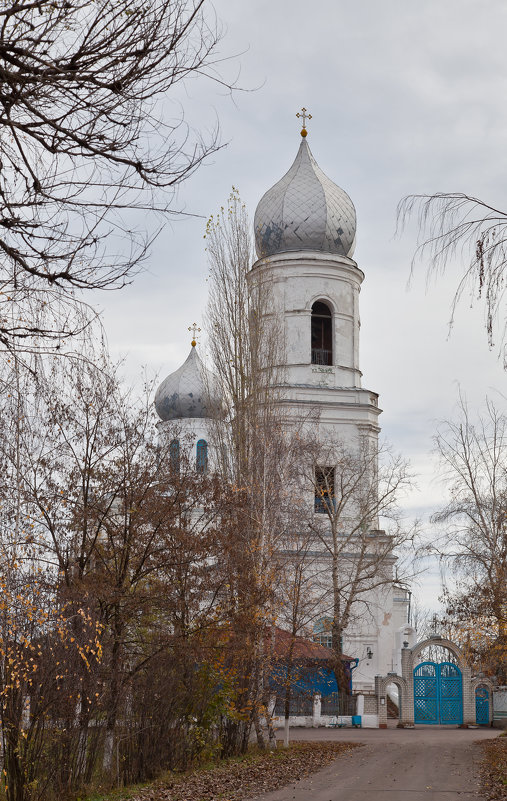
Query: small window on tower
{"x": 174, "y": 456}
{"x": 201, "y": 458}
{"x": 322, "y": 334}
{"x": 324, "y": 490}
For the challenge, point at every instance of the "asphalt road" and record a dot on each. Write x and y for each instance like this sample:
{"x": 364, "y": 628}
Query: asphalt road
{"x": 427, "y": 763}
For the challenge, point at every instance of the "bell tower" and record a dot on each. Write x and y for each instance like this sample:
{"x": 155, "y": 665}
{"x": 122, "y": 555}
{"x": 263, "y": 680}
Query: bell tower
{"x": 305, "y": 229}
{"x": 305, "y": 232}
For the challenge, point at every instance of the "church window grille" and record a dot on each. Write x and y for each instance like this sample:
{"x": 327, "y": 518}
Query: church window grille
{"x": 322, "y": 334}
{"x": 324, "y": 490}
{"x": 201, "y": 460}
{"x": 174, "y": 455}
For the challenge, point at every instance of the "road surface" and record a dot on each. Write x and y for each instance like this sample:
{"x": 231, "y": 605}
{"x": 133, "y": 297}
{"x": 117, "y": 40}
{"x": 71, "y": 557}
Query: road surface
{"x": 427, "y": 763}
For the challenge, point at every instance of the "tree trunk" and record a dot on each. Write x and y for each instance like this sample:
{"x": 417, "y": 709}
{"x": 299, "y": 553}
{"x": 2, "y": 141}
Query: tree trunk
{"x": 340, "y": 673}
{"x": 287, "y": 698}
{"x": 261, "y": 742}
{"x": 286, "y": 731}
{"x": 114, "y": 696}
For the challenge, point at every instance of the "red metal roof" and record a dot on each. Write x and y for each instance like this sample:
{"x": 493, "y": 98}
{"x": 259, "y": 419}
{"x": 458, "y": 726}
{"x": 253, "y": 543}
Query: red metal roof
{"x": 303, "y": 648}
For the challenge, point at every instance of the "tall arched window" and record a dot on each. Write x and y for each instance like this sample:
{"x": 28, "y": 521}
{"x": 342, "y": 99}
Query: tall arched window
{"x": 201, "y": 459}
{"x": 322, "y": 334}
{"x": 174, "y": 455}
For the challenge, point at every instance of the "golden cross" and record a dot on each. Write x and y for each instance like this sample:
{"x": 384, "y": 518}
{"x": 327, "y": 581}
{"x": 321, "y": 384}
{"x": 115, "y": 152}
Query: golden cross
{"x": 195, "y": 330}
{"x": 305, "y": 117}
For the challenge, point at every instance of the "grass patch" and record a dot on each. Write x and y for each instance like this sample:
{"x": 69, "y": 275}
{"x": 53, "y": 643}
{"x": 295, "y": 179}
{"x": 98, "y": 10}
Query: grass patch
{"x": 494, "y": 769}
{"x": 236, "y": 778}
{"x": 121, "y": 794}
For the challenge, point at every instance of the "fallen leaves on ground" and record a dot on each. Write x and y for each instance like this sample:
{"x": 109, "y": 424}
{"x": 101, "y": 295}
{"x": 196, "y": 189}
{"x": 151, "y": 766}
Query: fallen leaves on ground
{"x": 494, "y": 769}
{"x": 254, "y": 775}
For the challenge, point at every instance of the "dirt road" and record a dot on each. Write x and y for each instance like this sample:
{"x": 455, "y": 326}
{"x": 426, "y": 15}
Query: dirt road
{"x": 423, "y": 764}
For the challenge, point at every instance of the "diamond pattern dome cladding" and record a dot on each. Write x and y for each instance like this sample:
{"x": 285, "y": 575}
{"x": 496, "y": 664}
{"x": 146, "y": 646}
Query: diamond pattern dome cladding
{"x": 183, "y": 393}
{"x": 305, "y": 210}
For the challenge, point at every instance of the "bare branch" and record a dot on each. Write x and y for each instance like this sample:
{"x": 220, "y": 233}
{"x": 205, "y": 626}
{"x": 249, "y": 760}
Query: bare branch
{"x": 90, "y": 132}
{"x": 455, "y": 226}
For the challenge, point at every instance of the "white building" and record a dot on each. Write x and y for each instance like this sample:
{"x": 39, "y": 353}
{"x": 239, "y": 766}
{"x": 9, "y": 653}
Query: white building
{"x": 305, "y": 230}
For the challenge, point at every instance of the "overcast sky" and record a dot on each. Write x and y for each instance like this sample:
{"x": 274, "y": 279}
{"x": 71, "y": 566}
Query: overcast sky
{"x": 406, "y": 97}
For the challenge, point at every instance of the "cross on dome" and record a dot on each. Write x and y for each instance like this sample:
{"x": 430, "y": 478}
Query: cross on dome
{"x": 305, "y": 117}
{"x": 195, "y": 330}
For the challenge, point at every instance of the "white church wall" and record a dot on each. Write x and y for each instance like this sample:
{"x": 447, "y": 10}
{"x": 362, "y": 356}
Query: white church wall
{"x": 404, "y": 633}
{"x": 372, "y": 629}
{"x": 296, "y": 281}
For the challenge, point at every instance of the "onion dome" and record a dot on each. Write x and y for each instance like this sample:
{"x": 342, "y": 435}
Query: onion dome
{"x": 305, "y": 210}
{"x": 186, "y": 392}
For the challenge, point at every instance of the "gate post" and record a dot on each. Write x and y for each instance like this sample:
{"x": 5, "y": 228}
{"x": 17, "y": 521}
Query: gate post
{"x": 407, "y": 671}
{"x": 468, "y": 697}
{"x": 381, "y": 707}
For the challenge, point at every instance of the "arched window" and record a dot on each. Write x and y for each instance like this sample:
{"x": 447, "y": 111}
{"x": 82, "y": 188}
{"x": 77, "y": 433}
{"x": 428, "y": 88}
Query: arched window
{"x": 201, "y": 459}
{"x": 322, "y": 334}
{"x": 174, "y": 455}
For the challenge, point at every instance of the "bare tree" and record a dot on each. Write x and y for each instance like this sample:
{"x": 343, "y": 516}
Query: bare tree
{"x": 353, "y": 488}
{"x": 473, "y": 455}
{"x": 91, "y": 129}
{"x": 455, "y": 225}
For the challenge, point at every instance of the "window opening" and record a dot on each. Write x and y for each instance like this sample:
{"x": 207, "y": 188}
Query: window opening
{"x": 201, "y": 461}
{"x": 322, "y": 632}
{"x": 174, "y": 455}
{"x": 324, "y": 490}
{"x": 322, "y": 334}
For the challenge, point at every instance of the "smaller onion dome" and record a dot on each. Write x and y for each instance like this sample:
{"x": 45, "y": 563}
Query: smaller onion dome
{"x": 305, "y": 210}
{"x": 186, "y": 392}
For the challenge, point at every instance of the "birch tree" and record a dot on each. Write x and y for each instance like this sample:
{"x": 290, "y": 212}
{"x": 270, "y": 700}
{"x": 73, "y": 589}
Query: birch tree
{"x": 245, "y": 354}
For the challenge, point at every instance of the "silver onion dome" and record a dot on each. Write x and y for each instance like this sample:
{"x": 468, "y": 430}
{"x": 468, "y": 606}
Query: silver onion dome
{"x": 305, "y": 210}
{"x": 188, "y": 392}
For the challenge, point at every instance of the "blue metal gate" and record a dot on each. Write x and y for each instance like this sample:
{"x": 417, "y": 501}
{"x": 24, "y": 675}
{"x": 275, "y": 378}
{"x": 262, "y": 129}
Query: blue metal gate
{"x": 438, "y": 694}
{"x": 482, "y": 706}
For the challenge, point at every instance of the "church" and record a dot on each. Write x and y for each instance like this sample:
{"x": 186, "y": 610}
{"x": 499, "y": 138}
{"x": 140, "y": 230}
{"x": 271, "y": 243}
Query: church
{"x": 305, "y": 234}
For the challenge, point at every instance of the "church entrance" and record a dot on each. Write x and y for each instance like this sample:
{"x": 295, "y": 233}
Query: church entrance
{"x": 438, "y": 694}
{"x": 436, "y": 687}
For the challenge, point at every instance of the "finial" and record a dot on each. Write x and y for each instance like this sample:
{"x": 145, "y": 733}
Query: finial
{"x": 195, "y": 330}
{"x": 305, "y": 117}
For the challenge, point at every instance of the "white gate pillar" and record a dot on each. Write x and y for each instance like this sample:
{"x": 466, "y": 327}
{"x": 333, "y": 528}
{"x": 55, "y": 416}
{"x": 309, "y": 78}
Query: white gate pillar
{"x": 381, "y": 702}
{"x": 468, "y": 697}
{"x": 407, "y": 671}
